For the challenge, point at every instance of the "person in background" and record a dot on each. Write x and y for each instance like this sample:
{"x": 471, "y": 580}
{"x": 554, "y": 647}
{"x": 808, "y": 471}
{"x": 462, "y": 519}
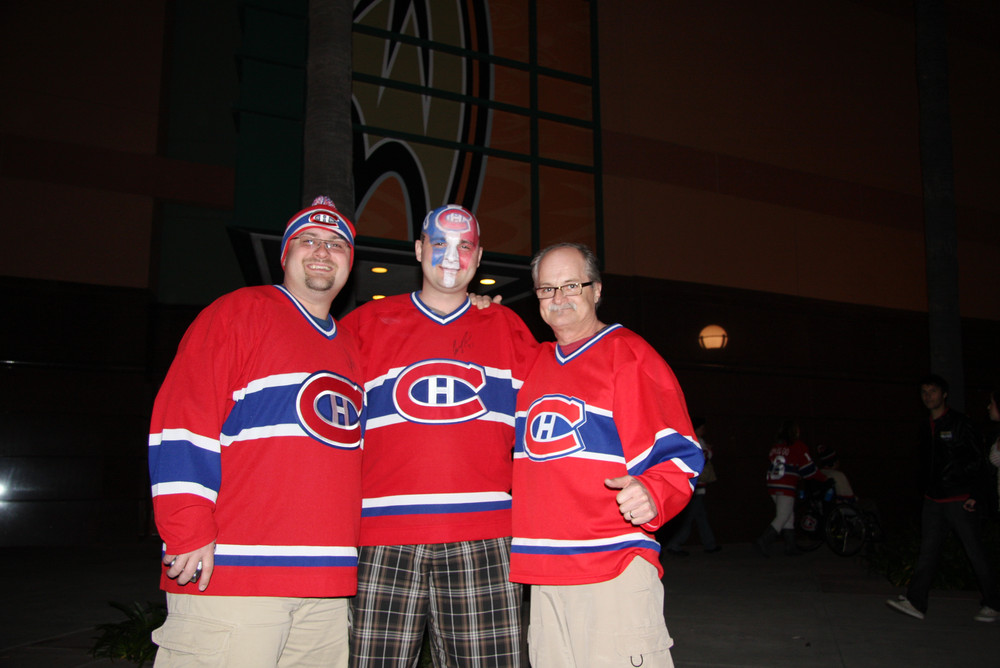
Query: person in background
{"x": 255, "y": 463}
{"x": 829, "y": 465}
{"x": 993, "y": 408}
{"x": 951, "y": 475}
{"x": 696, "y": 514}
{"x": 789, "y": 464}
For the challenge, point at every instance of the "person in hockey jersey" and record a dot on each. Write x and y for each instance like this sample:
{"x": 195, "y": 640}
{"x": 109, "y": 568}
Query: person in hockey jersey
{"x": 604, "y": 455}
{"x": 255, "y": 463}
{"x": 441, "y": 379}
{"x": 789, "y": 465}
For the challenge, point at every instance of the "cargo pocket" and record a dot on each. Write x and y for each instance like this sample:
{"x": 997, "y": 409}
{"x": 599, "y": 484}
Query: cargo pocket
{"x": 187, "y": 634}
{"x": 648, "y": 641}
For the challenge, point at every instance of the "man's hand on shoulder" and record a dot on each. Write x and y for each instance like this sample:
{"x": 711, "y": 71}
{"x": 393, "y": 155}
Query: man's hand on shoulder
{"x": 484, "y": 301}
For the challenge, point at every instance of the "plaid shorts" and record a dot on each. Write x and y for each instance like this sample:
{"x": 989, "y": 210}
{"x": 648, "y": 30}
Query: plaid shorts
{"x": 458, "y": 592}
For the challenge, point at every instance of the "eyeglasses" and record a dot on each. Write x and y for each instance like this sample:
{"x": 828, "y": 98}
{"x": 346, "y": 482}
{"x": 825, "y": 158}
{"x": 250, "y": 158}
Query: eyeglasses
{"x": 568, "y": 290}
{"x": 329, "y": 244}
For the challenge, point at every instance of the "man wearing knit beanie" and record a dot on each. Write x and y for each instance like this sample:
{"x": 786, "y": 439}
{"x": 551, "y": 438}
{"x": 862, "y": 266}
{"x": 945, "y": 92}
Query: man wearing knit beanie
{"x": 255, "y": 463}
{"x": 321, "y": 215}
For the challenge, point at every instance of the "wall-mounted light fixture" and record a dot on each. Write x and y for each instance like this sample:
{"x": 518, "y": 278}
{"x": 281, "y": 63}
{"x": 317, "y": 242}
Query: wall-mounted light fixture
{"x": 713, "y": 337}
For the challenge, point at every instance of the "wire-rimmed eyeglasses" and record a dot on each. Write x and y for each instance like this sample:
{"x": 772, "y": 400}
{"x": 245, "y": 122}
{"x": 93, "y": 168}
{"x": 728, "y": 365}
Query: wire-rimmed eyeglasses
{"x": 314, "y": 243}
{"x": 568, "y": 290}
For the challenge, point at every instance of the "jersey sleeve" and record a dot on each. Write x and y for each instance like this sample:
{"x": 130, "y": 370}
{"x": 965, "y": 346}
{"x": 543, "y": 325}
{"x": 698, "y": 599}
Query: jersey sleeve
{"x": 184, "y": 440}
{"x": 658, "y": 440}
{"x": 806, "y": 466}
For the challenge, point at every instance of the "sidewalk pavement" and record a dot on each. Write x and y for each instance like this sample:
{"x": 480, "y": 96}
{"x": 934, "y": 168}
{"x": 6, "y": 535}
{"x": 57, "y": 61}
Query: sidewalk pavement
{"x": 724, "y": 610}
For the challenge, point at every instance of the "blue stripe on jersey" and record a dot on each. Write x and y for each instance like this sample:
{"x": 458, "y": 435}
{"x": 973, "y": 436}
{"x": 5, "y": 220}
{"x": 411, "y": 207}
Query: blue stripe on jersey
{"x": 563, "y": 359}
{"x": 566, "y": 548}
{"x": 808, "y": 470}
{"x": 436, "y": 508}
{"x": 327, "y": 328}
{"x": 598, "y": 436}
{"x": 440, "y": 319}
{"x": 670, "y": 446}
{"x": 265, "y": 407}
{"x": 182, "y": 461}
{"x": 436, "y": 396}
{"x": 272, "y": 401}
{"x": 289, "y": 561}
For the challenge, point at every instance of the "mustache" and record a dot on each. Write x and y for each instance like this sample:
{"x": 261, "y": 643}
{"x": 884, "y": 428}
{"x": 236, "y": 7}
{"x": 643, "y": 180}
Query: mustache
{"x": 566, "y": 306}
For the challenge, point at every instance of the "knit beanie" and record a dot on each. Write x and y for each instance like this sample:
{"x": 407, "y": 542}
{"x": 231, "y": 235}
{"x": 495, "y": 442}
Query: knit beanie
{"x": 322, "y": 214}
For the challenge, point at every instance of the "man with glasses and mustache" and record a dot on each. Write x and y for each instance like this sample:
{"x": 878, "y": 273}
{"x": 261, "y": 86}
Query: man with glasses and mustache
{"x": 255, "y": 463}
{"x": 604, "y": 455}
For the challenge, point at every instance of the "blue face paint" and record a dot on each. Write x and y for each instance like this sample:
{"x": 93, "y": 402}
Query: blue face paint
{"x": 453, "y": 234}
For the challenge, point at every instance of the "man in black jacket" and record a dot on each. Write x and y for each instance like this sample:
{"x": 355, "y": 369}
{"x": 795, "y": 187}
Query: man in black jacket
{"x": 951, "y": 478}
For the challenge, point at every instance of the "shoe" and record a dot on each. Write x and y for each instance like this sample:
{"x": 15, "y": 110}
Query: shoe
{"x": 678, "y": 553}
{"x": 791, "y": 549}
{"x": 714, "y": 549}
{"x": 987, "y": 614}
{"x": 763, "y": 543}
{"x": 903, "y": 605}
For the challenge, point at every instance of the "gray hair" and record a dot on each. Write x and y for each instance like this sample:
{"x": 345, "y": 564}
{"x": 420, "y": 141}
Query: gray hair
{"x": 590, "y": 260}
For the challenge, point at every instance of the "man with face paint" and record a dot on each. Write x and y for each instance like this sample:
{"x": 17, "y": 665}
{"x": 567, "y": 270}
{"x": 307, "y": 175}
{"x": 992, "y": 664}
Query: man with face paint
{"x": 255, "y": 464}
{"x": 441, "y": 379}
{"x": 604, "y": 455}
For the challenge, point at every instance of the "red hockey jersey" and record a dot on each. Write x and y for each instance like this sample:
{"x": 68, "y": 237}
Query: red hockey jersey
{"x": 439, "y": 419}
{"x": 787, "y": 465}
{"x": 255, "y": 443}
{"x": 610, "y": 408}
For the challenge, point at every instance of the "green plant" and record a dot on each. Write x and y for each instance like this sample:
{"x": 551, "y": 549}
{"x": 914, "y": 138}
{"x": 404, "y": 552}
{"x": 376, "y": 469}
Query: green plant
{"x": 130, "y": 639}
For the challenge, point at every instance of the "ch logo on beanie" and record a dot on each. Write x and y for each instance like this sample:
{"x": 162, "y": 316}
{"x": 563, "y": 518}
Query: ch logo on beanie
{"x": 323, "y": 215}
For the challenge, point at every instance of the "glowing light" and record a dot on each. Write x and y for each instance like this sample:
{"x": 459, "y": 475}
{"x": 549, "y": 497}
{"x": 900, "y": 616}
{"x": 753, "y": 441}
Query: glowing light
{"x": 380, "y": 270}
{"x": 378, "y": 296}
{"x": 713, "y": 337}
{"x": 487, "y": 281}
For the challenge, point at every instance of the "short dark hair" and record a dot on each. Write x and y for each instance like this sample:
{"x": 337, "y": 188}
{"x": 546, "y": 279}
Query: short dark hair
{"x": 936, "y": 380}
{"x": 788, "y": 432}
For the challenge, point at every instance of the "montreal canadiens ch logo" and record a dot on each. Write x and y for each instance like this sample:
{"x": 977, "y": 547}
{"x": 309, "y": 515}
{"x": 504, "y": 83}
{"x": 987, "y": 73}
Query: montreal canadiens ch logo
{"x": 330, "y": 220}
{"x": 328, "y": 407}
{"x": 454, "y": 220}
{"x": 440, "y": 392}
{"x": 553, "y": 427}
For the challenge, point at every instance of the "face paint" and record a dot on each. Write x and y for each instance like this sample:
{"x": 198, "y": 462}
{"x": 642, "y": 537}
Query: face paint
{"x": 453, "y": 234}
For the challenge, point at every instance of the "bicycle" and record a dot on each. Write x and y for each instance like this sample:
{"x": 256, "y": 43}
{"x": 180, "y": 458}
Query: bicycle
{"x": 842, "y": 525}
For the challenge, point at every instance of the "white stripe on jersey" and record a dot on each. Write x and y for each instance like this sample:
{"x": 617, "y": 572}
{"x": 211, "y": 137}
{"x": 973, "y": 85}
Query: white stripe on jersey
{"x": 276, "y": 380}
{"x": 434, "y": 499}
{"x": 286, "y": 550}
{"x": 182, "y": 487}
{"x": 583, "y": 454}
{"x": 593, "y": 542}
{"x": 269, "y": 431}
{"x": 186, "y": 436}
